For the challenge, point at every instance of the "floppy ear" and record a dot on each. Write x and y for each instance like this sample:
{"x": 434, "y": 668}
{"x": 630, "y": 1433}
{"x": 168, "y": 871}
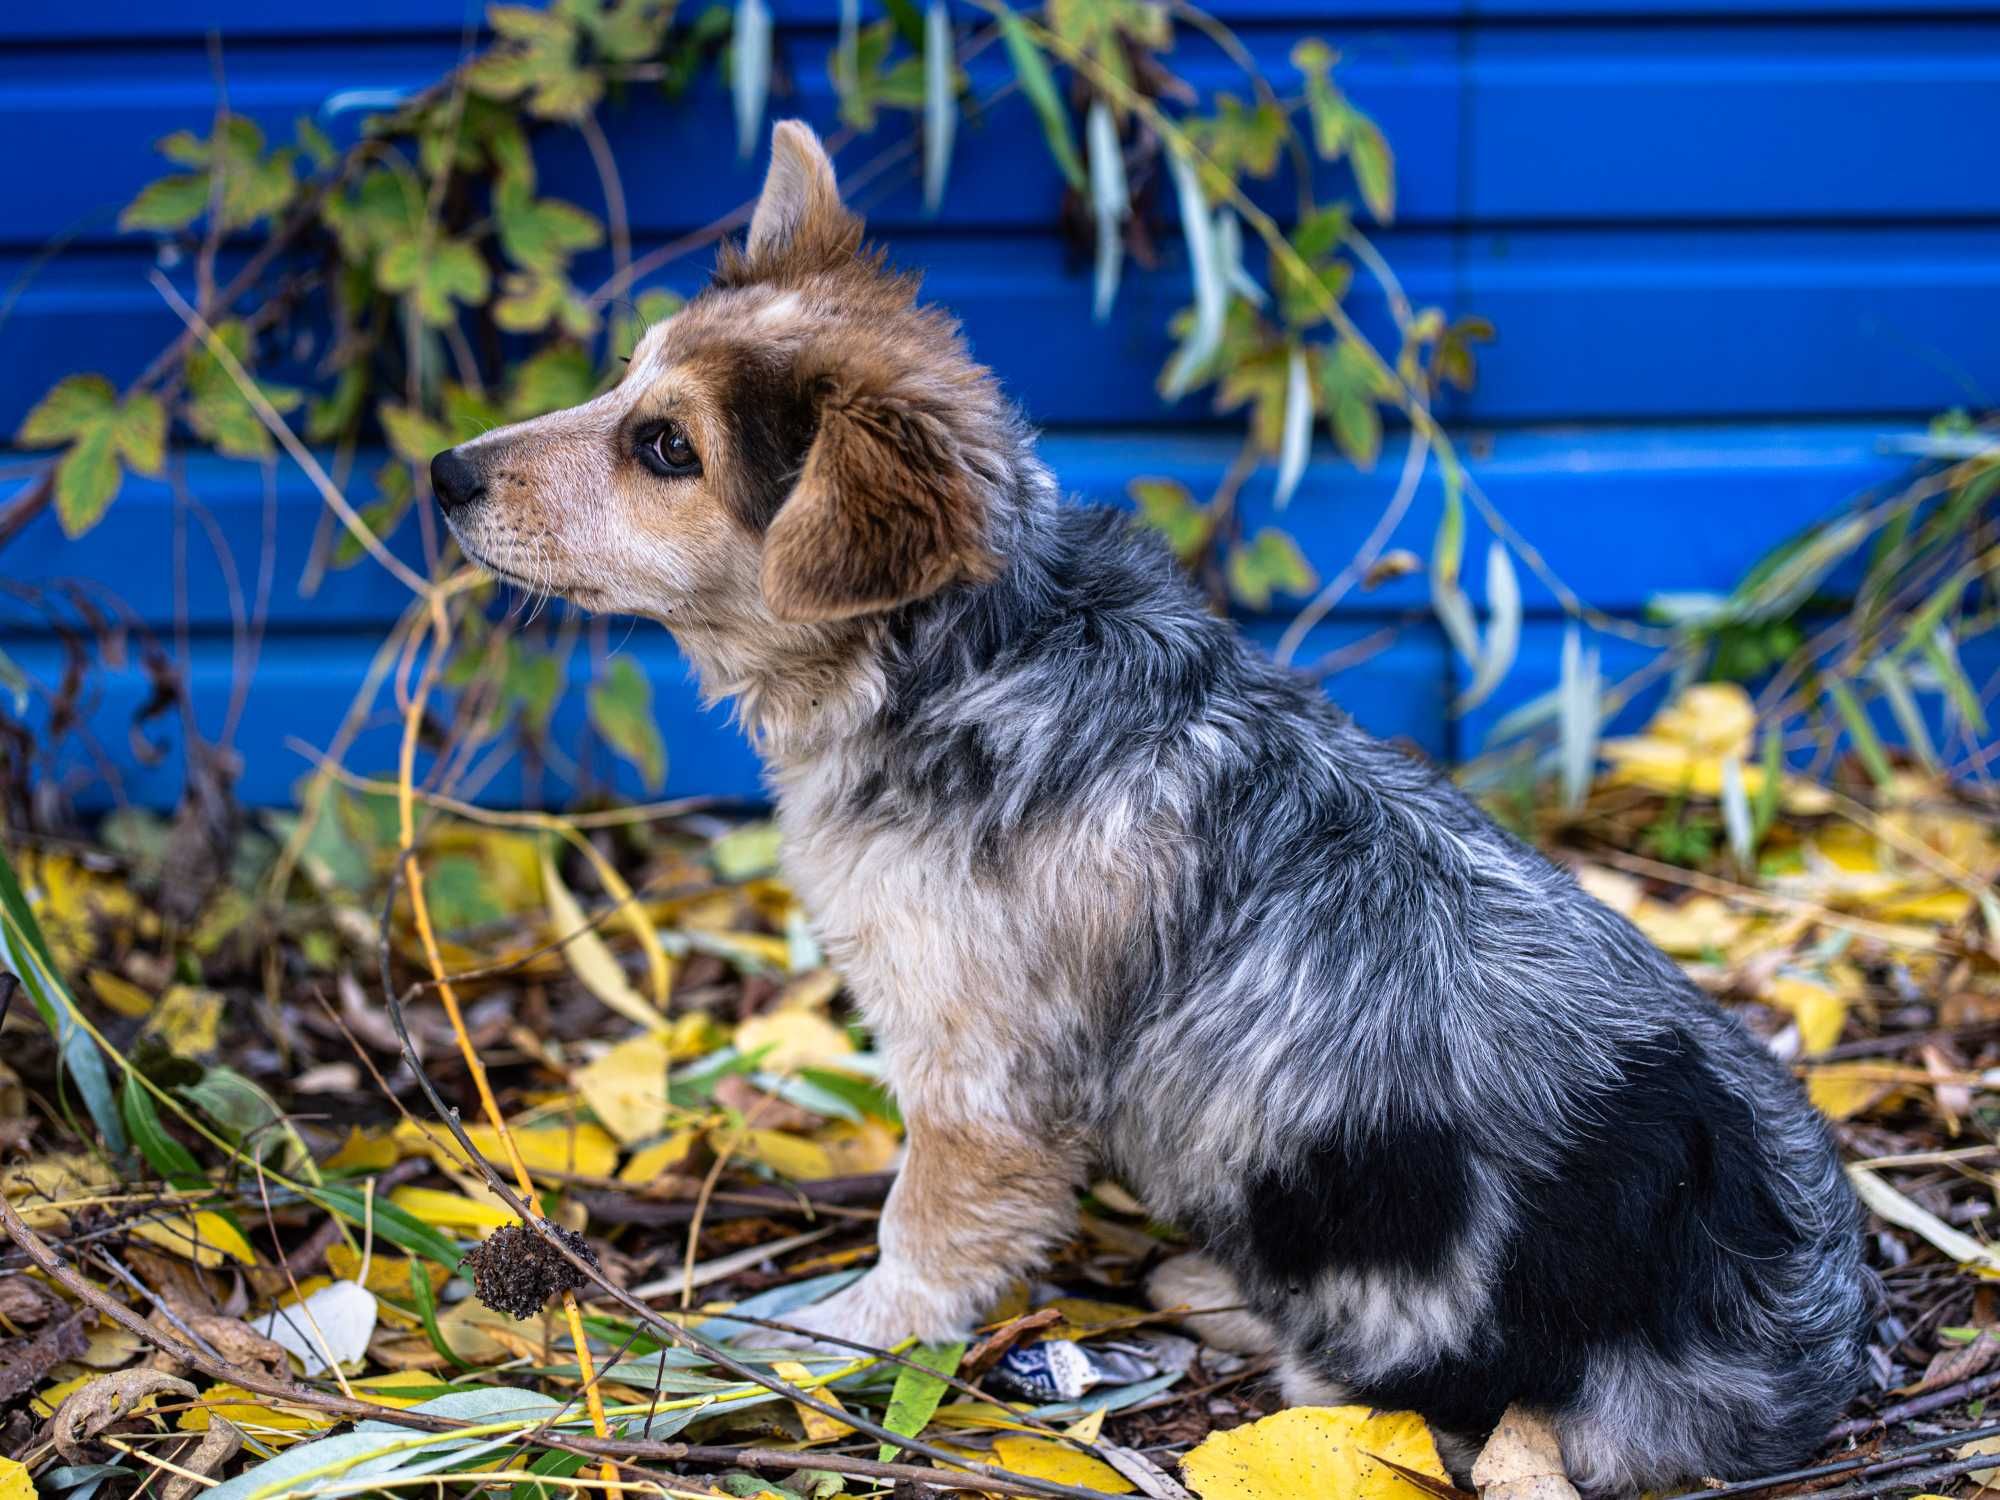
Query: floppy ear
{"x": 799, "y": 221}
{"x": 887, "y": 509}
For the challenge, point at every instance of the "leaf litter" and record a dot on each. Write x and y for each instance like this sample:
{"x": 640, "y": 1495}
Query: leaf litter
{"x": 709, "y": 1141}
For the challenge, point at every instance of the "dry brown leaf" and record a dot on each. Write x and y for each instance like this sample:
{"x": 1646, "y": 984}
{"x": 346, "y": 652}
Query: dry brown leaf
{"x": 1522, "y": 1461}
{"x": 107, "y": 1399}
{"x": 217, "y": 1446}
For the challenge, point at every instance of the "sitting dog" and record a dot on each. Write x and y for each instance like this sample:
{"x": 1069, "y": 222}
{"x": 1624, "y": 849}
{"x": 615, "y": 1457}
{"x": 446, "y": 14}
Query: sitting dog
{"x": 1118, "y": 894}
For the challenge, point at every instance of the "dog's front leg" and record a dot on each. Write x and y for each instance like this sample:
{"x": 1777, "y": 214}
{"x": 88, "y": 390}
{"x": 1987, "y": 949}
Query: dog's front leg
{"x": 976, "y": 1205}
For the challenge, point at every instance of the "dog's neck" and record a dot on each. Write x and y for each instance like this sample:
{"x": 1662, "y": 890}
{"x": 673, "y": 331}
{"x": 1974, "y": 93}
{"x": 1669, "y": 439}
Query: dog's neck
{"x": 804, "y": 692}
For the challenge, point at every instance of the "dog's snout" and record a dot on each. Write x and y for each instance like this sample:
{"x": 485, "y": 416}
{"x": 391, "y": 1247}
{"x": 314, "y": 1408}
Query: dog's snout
{"x": 456, "y": 479}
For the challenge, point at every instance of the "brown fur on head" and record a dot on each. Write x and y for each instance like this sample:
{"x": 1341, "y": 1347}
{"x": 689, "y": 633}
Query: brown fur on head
{"x": 801, "y": 445}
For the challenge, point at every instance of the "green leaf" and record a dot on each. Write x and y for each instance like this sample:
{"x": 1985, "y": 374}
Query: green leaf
{"x": 1374, "y": 166}
{"x": 1239, "y": 138}
{"x": 171, "y": 202}
{"x": 414, "y": 437}
{"x": 1110, "y": 204}
{"x": 423, "y": 1297}
{"x": 218, "y": 410}
{"x": 165, "y": 1155}
{"x": 916, "y": 1395}
{"x": 555, "y": 379}
{"x": 1166, "y": 507}
{"x": 621, "y": 707}
{"x": 532, "y": 300}
{"x": 437, "y": 273}
{"x": 1040, "y": 87}
{"x": 248, "y": 1116}
{"x": 1268, "y": 563}
{"x": 553, "y": 1465}
{"x": 1867, "y": 744}
{"x": 541, "y": 234}
{"x": 84, "y": 411}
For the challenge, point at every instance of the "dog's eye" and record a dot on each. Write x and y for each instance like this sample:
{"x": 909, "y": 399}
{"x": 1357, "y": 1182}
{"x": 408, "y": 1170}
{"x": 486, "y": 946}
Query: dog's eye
{"x": 669, "y": 452}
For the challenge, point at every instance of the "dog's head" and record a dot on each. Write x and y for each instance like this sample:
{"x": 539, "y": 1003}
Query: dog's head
{"x": 801, "y": 444}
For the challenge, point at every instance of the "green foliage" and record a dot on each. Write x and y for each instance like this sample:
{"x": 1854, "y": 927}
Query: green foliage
{"x": 101, "y": 437}
{"x": 450, "y": 275}
{"x": 621, "y": 706}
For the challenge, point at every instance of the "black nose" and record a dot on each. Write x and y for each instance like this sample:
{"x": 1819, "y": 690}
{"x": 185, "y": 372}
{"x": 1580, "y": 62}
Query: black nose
{"x": 456, "y": 479}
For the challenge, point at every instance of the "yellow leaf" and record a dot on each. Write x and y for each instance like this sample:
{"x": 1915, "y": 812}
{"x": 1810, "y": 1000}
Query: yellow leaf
{"x": 796, "y": 1037}
{"x": 1046, "y": 1458}
{"x": 627, "y": 1087}
{"x": 650, "y": 1162}
{"x": 188, "y": 1020}
{"x": 14, "y": 1481}
{"x": 589, "y": 956}
{"x": 1840, "y": 1091}
{"x": 268, "y": 1421}
{"x": 1715, "y": 718}
{"x": 1315, "y": 1450}
{"x": 120, "y": 994}
{"x": 449, "y": 1210}
{"x": 550, "y": 1147}
{"x": 1082, "y": 1317}
{"x": 1694, "y": 927}
{"x": 819, "y": 1427}
{"x": 61, "y": 1177}
{"x": 207, "y": 1239}
{"x": 1819, "y": 1011}
{"x": 364, "y": 1151}
{"x": 388, "y": 1275}
{"x": 786, "y": 1154}
{"x": 856, "y": 1150}
{"x": 45, "y": 1404}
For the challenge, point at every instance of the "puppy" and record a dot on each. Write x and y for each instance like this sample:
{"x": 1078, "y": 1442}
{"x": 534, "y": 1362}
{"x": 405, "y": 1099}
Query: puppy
{"x": 1116, "y": 893}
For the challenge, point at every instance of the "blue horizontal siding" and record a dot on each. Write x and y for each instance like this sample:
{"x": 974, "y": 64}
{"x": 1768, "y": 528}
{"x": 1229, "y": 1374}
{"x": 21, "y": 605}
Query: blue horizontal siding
{"x": 1668, "y": 324}
{"x": 1726, "y": 245}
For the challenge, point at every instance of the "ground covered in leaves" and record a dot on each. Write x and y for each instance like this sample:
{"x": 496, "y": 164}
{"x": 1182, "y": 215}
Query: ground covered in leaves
{"x": 244, "y": 1246}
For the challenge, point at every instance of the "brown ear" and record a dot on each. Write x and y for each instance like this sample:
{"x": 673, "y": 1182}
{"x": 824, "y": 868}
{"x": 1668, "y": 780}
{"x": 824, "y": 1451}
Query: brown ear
{"x": 799, "y": 222}
{"x": 887, "y": 509}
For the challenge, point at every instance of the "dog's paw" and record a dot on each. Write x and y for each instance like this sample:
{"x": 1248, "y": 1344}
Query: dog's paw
{"x": 880, "y": 1310}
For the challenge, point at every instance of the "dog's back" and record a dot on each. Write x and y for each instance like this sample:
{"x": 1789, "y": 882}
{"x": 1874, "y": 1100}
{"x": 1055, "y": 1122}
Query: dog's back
{"x": 1463, "y": 1135}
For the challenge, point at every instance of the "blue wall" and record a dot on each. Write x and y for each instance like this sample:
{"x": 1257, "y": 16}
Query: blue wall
{"x": 1727, "y": 248}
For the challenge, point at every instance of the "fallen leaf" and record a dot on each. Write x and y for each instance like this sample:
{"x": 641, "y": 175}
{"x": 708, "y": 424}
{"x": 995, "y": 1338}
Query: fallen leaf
{"x": 187, "y": 1020}
{"x": 1905, "y": 1213}
{"x": 786, "y": 1154}
{"x": 217, "y": 1446}
{"x": 1698, "y": 925}
{"x": 365, "y": 1151}
{"x": 1840, "y": 1091}
{"x": 1314, "y": 1450}
{"x": 330, "y": 1327}
{"x": 794, "y": 1038}
{"x": 107, "y": 1399}
{"x": 627, "y": 1087}
{"x": 206, "y": 1238}
{"x": 1522, "y": 1461}
{"x": 449, "y": 1210}
{"x": 819, "y": 1428}
{"x": 1817, "y": 1008}
{"x": 269, "y": 1422}
{"x": 388, "y": 1275}
{"x": 1976, "y": 1449}
{"x": 590, "y": 958}
{"x": 1048, "y": 1458}
{"x": 15, "y": 1484}
{"x": 586, "y": 1150}
{"x": 120, "y": 994}
{"x": 25, "y": 1363}
{"x": 655, "y": 1160}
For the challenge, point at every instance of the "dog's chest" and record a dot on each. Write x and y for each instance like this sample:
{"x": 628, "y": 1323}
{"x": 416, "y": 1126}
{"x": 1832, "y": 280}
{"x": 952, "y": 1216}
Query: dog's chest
{"x": 950, "y": 969}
